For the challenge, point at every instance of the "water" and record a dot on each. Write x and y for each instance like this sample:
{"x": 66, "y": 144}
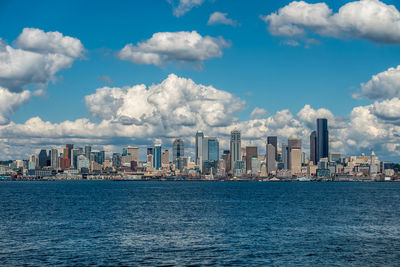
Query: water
{"x": 199, "y": 223}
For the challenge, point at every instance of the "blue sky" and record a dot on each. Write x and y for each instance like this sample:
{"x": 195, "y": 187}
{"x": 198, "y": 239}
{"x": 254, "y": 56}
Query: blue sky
{"x": 258, "y": 67}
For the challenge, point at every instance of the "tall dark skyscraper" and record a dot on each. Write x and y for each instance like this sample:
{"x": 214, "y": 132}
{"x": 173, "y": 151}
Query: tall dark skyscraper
{"x": 177, "y": 149}
{"x": 273, "y": 140}
{"x": 313, "y": 147}
{"x": 322, "y": 139}
{"x": 68, "y": 148}
{"x": 43, "y": 158}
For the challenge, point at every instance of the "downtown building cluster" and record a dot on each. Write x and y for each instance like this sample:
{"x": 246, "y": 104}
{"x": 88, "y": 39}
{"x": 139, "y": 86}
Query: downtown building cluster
{"x": 284, "y": 161}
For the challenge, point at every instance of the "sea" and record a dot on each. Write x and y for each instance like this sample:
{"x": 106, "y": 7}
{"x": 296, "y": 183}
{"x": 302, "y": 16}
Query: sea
{"x": 146, "y": 223}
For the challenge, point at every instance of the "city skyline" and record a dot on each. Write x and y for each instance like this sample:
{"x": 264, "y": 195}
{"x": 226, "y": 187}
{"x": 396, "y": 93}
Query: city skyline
{"x": 113, "y": 84}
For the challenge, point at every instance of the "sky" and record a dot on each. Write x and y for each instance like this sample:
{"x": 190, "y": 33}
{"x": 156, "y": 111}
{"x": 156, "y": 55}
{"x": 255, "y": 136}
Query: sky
{"x": 117, "y": 73}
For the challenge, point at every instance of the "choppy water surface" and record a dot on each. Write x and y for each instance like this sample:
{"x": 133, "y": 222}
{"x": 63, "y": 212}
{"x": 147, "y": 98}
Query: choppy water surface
{"x": 199, "y": 223}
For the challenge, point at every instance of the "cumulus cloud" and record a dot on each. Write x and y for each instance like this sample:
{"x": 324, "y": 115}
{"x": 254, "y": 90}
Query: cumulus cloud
{"x": 9, "y": 102}
{"x": 174, "y": 46}
{"x": 221, "y": 18}
{"x": 178, "y": 107}
{"x": 384, "y": 85}
{"x": 370, "y": 20}
{"x": 258, "y": 113}
{"x": 174, "y": 102}
{"x": 37, "y": 58}
{"x": 181, "y": 7}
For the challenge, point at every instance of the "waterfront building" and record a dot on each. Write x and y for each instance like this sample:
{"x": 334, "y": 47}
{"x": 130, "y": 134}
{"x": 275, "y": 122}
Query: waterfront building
{"x": 273, "y": 140}
{"x": 251, "y": 152}
{"x": 33, "y": 162}
{"x": 239, "y": 168}
{"x": 322, "y": 139}
{"x": 235, "y": 147}
{"x": 255, "y": 166}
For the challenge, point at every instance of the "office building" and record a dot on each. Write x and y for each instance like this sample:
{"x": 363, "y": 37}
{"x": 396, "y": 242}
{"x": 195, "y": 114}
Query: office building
{"x": 270, "y": 159}
{"x": 54, "y": 162}
{"x": 43, "y": 158}
{"x": 294, "y": 149}
{"x": 67, "y": 152}
{"x": 273, "y": 140}
{"x": 199, "y": 148}
{"x": 313, "y": 147}
{"x": 251, "y": 152}
{"x": 165, "y": 158}
{"x": 285, "y": 156}
{"x": 177, "y": 149}
{"x": 235, "y": 147}
{"x": 157, "y": 157}
{"x": 322, "y": 139}
{"x": 133, "y": 152}
{"x": 88, "y": 150}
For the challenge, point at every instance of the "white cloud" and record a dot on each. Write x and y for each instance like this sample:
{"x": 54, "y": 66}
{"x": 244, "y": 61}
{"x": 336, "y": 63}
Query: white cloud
{"x": 37, "y": 59}
{"x": 174, "y": 102}
{"x": 174, "y": 46}
{"x": 9, "y": 102}
{"x": 178, "y": 107}
{"x": 387, "y": 110}
{"x": 258, "y": 113}
{"x": 221, "y": 18}
{"x": 365, "y": 19}
{"x": 384, "y": 85}
{"x": 184, "y": 6}
{"x": 36, "y": 40}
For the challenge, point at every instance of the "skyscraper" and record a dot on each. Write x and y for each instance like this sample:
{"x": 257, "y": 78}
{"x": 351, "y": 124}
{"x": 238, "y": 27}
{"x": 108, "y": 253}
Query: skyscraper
{"x": 294, "y": 145}
{"x": 213, "y": 149}
{"x": 270, "y": 159}
{"x": 54, "y": 159}
{"x": 285, "y": 156}
{"x": 133, "y": 153}
{"x": 68, "y": 148}
{"x": 88, "y": 149}
{"x": 43, "y": 158}
{"x": 199, "y": 147}
{"x": 273, "y": 140}
{"x": 177, "y": 149}
{"x": 165, "y": 157}
{"x": 313, "y": 147}
{"x": 251, "y": 151}
{"x": 157, "y": 157}
{"x": 322, "y": 139}
{"x": 235, "y": 146}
